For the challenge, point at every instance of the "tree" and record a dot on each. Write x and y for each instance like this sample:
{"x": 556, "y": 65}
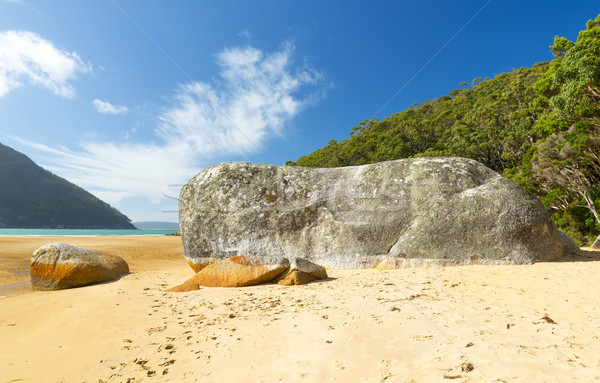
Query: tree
{"x": 560, "y": 47}
{"x": 569, "y": 172}
{"x": 567, "y": 164}
{"x": 577, "y": 77}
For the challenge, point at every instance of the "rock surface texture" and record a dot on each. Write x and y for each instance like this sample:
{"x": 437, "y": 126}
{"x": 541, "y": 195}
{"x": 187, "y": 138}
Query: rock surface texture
{"x": 242, "y": 271}
{"x": 61, "y": 266}
{"x": 301, "y": 272}
{"x": 447, "y": 210}
{"x": 235, "y": 272}
{"x": 569, "y": 243}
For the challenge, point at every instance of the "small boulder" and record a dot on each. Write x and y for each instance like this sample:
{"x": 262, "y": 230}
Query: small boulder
{"x": 294, "y": 277}
{"x": 235, "y": 272}
{"x": 62, "y": 266}
{"x": 301, "y": 272}
{"x": 569, "y": 244}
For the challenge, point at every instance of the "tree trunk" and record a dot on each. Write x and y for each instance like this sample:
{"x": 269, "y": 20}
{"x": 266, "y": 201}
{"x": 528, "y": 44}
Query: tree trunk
{"x": 590, "y": 203}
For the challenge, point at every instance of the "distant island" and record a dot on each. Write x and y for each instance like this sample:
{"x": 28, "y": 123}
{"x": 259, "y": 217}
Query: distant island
{"x": 32, "y": 197}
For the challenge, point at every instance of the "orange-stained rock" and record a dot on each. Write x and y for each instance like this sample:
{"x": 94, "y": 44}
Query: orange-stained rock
{"x": 61, "y": 266}
{"x": 294, "y": 277}
{"x": 235, "y": 272}
{"x": 200, "y": 264}
{"x": 301, "y": 272}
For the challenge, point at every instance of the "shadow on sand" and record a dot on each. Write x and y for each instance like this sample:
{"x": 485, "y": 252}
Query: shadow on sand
{"x": 585, "y": 254}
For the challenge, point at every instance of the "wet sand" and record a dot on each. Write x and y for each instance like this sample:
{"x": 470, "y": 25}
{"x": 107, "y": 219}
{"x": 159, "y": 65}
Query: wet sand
{"x": 532, "y": 323}
{"x": 15, "y": 252}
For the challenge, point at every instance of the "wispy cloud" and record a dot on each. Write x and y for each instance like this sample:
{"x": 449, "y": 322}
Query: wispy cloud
{"x": 25, "y": 56}
{"x": 256, "y": 95}
{"x": 244, "y": 33}
{"x": 116, "y": 171}
{"x": 256, "y": 99}
{"x": 104, "y": 107}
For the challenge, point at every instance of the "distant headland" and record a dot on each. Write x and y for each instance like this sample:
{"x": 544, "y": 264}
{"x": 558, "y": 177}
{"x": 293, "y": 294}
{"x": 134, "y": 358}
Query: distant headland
{"x": 32, "y": 197}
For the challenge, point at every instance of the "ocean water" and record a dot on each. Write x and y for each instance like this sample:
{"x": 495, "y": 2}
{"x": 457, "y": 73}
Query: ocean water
{"x": 80, "y": 232}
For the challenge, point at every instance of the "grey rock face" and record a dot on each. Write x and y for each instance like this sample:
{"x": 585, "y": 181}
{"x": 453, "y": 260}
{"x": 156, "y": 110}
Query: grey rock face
{"x": 301, "y": 272}
{"x": 451, "y": 210}
{"x": 308, "y": 267}
{"x": 569, "y": 243}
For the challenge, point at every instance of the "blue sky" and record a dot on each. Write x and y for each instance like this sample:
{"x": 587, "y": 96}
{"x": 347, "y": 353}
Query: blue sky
{"x": 125, "y": 98}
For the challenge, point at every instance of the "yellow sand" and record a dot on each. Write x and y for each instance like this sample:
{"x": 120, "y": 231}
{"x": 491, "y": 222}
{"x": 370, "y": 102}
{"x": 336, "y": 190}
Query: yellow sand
{"x": 536, "y": 323}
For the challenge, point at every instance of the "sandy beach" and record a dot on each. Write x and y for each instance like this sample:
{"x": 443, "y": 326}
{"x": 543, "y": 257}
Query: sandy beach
{"x": 531, "y": 323}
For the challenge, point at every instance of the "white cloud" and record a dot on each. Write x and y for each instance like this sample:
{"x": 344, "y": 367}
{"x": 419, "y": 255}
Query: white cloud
{"x": 254, "y": 99}
{"x": 104, "y": 107}
{"x": 26, "y": 56}
{"x": 117, "y": 171}
{"x": 257, "y": 99}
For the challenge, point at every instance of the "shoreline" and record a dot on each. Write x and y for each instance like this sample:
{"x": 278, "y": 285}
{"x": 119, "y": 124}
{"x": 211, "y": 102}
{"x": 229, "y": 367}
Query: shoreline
{"x": 14, "y": 232}
{"x": 13, "y": 289}
{"x": 86, "y": 235}
{"x": 16, "y": 251}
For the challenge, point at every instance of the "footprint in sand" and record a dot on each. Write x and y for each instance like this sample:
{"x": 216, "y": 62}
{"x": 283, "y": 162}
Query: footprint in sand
{"x": 167, "y": 363}
{"x": 169, "y": 347}
{"x": 153, "y": 330}
{"x": 422, "y": 338}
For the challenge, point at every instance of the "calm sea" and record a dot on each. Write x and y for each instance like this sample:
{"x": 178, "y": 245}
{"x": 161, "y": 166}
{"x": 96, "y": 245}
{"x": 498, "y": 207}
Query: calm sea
{"x": 79, "y": 232}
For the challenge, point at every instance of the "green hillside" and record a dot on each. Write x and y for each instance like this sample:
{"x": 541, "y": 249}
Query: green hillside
{"x": 538, "y": 126}
{"x": 31, "y": 197}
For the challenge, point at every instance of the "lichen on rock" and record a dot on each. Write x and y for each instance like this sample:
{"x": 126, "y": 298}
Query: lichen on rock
{"x": 59, "y": 266}
{"x": 452, "y": 210}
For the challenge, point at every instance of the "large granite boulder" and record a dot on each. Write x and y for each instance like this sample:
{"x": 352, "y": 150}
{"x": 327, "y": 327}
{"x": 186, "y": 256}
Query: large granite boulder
{"x": 61, "y": 266}
{"x": 447, "y": 210}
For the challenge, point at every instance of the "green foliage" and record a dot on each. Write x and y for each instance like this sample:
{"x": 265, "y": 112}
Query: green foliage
{"x": 549, "y": 124}
{"x": 577, "y": 77}
{"x": 538, "y": 126}
{"x": 31, "y": 197}
{"x": 560, "y": 47}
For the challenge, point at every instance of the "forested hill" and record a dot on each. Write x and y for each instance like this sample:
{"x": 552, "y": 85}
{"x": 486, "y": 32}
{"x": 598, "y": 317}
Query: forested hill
{"x": 539, "y": 126}
{"x": 31, "y": 197}
{"x": 491, "y": 122}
